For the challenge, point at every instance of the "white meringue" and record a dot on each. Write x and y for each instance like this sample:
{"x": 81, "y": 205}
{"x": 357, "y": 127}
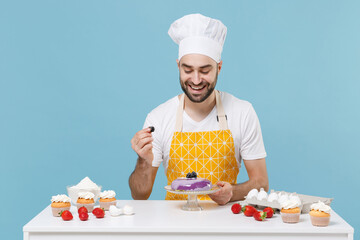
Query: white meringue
{"x": 114, "y": 211}
{"x": 262, "y": 195}
{"x": 320, "y": 206}
{"x": 128, "y": 210}
{"x": 273, "y": 196}
{"x": 283, "y": 198}
{"x": 252, "y": 194}
{"x": 295, "y": 198}
{"x": 289, "y": 204}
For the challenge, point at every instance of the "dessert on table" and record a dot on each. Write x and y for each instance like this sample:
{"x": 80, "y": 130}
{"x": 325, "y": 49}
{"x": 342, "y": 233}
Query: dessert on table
{"x": 86, "y": 199}
{"x": 191, "y": 183}
{"x": 60, "y": 203}
{"x": 290, "y": 210}
{"x": 85, "y": 185}
{"x": 107, "y": 198}
{"x": 320, "y": 214}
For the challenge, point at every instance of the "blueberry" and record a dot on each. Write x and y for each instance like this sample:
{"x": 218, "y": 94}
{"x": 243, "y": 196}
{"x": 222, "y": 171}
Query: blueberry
{"x": 191, "y": 175}
{"x": 152, "y": 129}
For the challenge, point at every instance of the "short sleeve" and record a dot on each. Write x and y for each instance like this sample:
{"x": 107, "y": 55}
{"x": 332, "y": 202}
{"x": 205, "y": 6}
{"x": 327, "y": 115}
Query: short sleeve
{"x": 157, "y": 149}
{"x": 252, "y": 145}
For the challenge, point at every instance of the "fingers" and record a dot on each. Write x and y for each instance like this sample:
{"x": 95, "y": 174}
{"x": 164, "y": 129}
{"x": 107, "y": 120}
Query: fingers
{"x": 141, "y": 142}
{"x": 220, "y": 184}
{"x": 144, "y": 141}
{"x": 142, "y": 152}
{"x": 224, "y": 195}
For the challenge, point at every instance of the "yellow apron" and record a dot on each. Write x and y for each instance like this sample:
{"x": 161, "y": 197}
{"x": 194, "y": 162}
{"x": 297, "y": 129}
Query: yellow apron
{"x": 210, "y": 153}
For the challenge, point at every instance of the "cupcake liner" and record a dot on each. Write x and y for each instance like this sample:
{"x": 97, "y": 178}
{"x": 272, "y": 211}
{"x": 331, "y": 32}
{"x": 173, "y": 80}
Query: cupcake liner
{"x": 56, "y": 211}
{"x": 106, "y": 205}
{"x": 290, "y": 217}
{"x": 320, "y": 221}
{"x": 88, "y": 206}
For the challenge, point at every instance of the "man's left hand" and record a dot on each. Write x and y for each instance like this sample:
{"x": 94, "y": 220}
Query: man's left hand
{"x": 224, "y": 195}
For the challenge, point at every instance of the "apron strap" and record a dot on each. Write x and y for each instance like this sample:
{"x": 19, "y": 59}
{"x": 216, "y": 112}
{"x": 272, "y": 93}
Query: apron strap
{"x": 222, "y": 119}
{"x": 179, "y": 114}
{"x": 221, "y": 113}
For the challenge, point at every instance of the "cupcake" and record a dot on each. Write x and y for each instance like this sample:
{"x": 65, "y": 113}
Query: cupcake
{"x": 320, "y": 214}
{"x": 290, "y": 211}
{"x": 59, "y": 203}
{"x": 86, "y": 199}
{"x": 107, "y": 198}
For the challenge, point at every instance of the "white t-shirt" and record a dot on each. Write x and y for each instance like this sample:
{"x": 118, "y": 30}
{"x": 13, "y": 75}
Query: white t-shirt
{"x": 242, "y": 121}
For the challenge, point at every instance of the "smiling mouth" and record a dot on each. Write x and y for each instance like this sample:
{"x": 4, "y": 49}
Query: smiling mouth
{"x": 197, "y": 88}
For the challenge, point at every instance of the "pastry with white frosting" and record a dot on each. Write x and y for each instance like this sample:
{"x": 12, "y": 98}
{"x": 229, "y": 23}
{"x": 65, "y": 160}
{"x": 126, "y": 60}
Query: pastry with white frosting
{"x": 60, "y": 203}
{"x": 320, "y": 214}
{"x": 290, "y": 211}
{"x": 107, "y": 198}
{"x": 86, "y": 199}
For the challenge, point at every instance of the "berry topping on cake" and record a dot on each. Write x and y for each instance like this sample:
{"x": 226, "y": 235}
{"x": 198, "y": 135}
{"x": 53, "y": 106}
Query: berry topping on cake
{"x": 191, "y": 175}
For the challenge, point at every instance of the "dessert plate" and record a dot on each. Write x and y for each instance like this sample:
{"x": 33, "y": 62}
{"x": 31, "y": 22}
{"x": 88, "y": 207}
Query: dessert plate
{"x": 192, "y": 203}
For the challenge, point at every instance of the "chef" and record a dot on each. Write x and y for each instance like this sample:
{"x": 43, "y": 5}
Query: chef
{"x": 203, "y": 130}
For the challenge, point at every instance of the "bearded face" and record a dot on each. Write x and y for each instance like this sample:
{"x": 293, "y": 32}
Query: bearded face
{"x": 198, "y": 76}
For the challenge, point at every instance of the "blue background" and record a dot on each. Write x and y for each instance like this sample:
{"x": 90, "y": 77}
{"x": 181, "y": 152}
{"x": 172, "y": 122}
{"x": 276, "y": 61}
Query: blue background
{"x": 77, "y": 79}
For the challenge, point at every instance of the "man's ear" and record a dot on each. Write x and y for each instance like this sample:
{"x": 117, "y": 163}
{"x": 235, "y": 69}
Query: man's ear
{"x": 219, "y": 66}
{"x": 178, "y": 63}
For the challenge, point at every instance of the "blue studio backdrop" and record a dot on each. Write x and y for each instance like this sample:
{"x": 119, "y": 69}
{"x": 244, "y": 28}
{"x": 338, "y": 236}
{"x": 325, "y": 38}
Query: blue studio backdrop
{"x": 77, "y": 79}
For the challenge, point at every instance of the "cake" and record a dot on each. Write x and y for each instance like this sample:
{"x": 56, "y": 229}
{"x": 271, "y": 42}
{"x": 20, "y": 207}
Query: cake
{"x": 320, "y": 214}
{"x": 60, "y": 203}
{"x": 107, "y": 198}
{"x": 191, "y": 183}
{"x": 86, "y": 199}
{"x": 290, "y": 210}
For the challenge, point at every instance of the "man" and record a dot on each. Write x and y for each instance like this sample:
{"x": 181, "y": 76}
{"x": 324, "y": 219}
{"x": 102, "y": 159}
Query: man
{"x": 203, "y": 130}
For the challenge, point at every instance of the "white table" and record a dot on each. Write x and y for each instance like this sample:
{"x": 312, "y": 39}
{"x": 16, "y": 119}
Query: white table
{"x": 165, "y": 220}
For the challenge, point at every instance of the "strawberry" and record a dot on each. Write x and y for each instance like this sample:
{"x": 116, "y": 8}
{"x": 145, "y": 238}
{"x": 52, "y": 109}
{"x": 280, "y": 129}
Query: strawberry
{"x": 99, "y": 212}
{"x": 82, "y": 209}
{"x": 236, "y": 208}
{"x": 259, "y": 216}
{"x": 269, "y": 212}
{"x": 66, "y": 215}
{"x": 83, "y": 216}
{"x": 248, "y": 210}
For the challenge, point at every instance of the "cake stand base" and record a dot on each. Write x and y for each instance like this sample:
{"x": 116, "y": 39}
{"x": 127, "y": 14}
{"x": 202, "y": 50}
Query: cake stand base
{"x": 192, "y": 204}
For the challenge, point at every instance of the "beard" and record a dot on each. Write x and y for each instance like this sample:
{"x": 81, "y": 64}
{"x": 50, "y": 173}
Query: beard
{"x": 198, "y": 98}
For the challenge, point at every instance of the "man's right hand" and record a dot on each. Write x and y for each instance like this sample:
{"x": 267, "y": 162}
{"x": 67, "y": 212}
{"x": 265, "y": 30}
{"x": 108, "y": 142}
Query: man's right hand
{"x": 142, "y": 145}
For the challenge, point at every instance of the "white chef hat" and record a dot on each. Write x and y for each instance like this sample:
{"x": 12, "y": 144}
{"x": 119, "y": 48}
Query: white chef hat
{"x": 196, "y": 33}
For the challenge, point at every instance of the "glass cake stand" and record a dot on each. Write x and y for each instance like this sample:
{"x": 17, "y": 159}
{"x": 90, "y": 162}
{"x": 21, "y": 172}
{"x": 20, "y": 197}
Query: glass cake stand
{"x": 192, "y": 203}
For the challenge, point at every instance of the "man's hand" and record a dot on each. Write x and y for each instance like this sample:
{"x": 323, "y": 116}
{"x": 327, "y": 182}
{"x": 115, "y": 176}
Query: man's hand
{"x": 142, "y": 144}
{"x": 141, "y": 181}
{"x": 224, "y": 195}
